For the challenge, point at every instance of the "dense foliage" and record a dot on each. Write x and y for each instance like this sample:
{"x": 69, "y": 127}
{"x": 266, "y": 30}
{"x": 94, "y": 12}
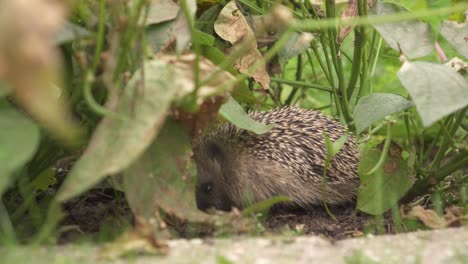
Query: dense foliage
{"x": 124, "y": 86}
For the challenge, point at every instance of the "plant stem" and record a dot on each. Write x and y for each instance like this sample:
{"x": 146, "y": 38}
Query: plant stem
{"x": 7, "y": 231}
{"x": 303, "y": 84}
{"x": 324, "y": 188}
{"x": 446, "y": 139}
{"x": 423, "y": 185}
{"x": 386, "y": 147}
{"x": 298, "y": 78}
{"x": 196, "y": 46}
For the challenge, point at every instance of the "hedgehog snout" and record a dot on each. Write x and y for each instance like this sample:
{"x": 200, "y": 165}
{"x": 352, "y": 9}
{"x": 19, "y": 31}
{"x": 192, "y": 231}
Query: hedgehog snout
{"x": 208, "y": 196}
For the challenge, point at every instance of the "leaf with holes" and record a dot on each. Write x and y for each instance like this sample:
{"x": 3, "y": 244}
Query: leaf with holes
{"x": 456, "y": 34}
{"x": 436, "y": 89}
{"x": 381, "y": 190}
{"x": 415, "y": 39}
{"x": 377, "y": 106}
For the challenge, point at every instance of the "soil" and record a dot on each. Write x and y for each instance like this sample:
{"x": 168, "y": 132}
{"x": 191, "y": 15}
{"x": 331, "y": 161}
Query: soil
{"x": 91, "y": 213}
{"x": 316, "y": 221}
{"x": 107, "y": 208}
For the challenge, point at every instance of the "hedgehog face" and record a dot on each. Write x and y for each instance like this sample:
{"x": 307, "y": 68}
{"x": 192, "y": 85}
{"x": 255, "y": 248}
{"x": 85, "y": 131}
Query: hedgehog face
{"x": 209, "y": 191}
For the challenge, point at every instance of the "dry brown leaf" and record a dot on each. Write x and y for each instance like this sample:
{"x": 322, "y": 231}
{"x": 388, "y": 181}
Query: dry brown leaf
{"x": 453, "y": 216}
{"x": 232, "y": 26}
{"x": 30, "y": 61}
{"x": 351, "y": 11}
{"x": 427, "y": 216}
{"x": 184, "y": 67}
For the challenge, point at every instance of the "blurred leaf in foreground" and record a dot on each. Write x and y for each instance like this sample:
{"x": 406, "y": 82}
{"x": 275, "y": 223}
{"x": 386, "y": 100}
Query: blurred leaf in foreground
{"x": 30, "y": 62}
{"x": 117, "y": 142}
{"x": 19, "y": 138}
{"x": 142, "y": 109}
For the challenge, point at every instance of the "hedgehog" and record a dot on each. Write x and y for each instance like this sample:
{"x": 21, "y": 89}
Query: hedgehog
{"x": 236, "y": 167}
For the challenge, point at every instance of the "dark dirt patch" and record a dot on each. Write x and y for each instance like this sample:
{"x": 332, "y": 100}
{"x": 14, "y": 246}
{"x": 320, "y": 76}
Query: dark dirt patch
{"x": 101, "y": 213}
{"x": 106, "y": 209}
{"x": 316, "y": 221}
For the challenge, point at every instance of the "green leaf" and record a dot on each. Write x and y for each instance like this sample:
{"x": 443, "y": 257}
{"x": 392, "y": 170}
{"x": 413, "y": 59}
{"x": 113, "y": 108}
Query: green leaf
{"x": 381, "y": 190}
{"x": 234, "y": 113}
{"x": 19, "y": 139}
{"x": 203, "y": 39}
{"x": 205, "y": 22}
{"x": 456, "y": 35}
{"x": 70, "y": 32}
{"x": 45, "y": 179}
{"x": 334, "y": 147}
{"x": 265, "y": 205}
{"x": 436, "y": 89}
{"x": 116, "y": 143}
{"x": 157, "y": 177}
{"x": 376, "y": 106}
{"x": 415, "y": 39}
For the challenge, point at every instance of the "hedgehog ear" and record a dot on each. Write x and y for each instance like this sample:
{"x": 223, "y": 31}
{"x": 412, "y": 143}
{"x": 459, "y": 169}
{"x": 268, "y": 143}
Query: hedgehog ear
{"x": 214, "y": 152}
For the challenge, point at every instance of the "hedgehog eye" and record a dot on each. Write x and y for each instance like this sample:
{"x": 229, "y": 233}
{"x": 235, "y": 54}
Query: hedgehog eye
{"x": 207, "y": 188}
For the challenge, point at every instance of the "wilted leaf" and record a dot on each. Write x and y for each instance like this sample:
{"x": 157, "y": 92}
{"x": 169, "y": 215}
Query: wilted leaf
{"x": 118, "y": 142}
{"x": 456, "y": 34}
{"x": 30, "y": 62}
{"x": 232, "y": 26}
{"x": 19, "y": 138}
{"x": 428, "y": 217}
{"x": 161, "y": 11}
{"x": 167, "y": 22}
{"x": 376, "y": 106}
{"x": 436, "y": 89}
{"x": 235, "y": 114}
{"x": 295, "y": 46}
{"x": 70, "y": 32}
{"x": 457, "y": 64}
{"x": 350, "y": 11}
{"x": 183, "y": 65}
{"x": 381, "y": 190}
{"x": 414, "y": 38}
